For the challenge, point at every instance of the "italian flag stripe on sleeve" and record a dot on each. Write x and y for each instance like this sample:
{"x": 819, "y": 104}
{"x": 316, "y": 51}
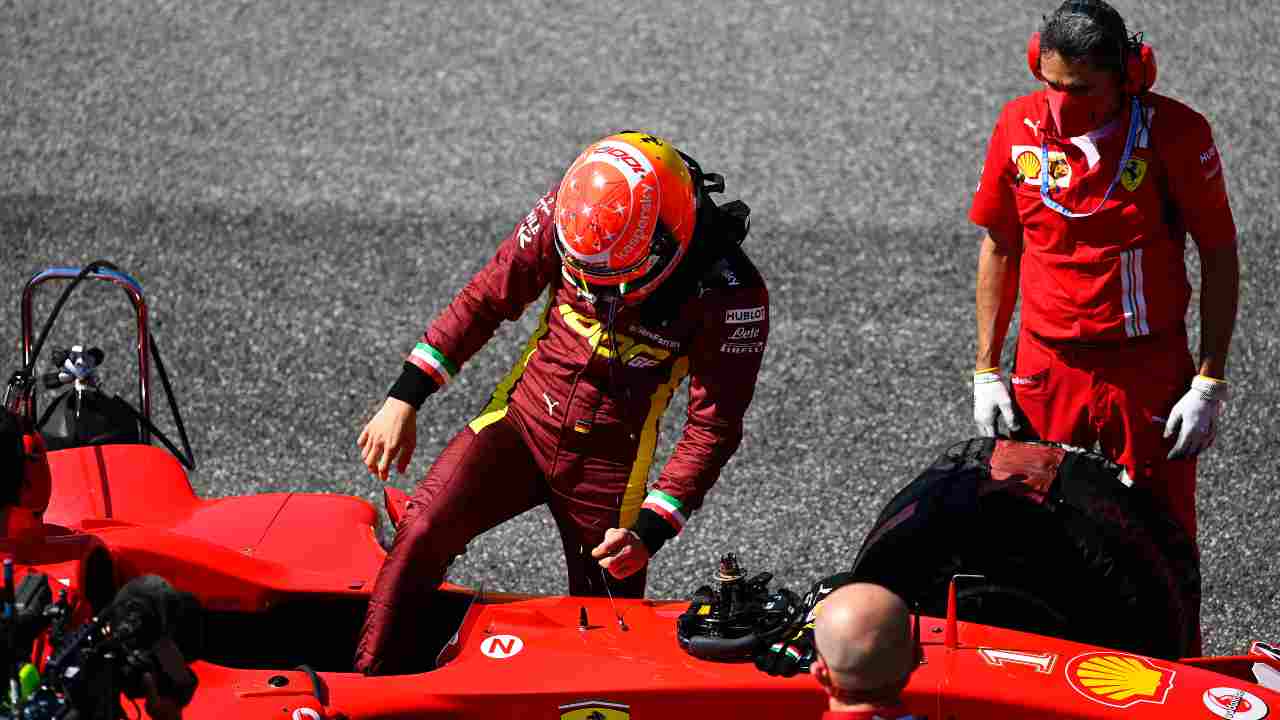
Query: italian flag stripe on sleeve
{"x": 666, "y": 506}
{"x": 433, "y": 362}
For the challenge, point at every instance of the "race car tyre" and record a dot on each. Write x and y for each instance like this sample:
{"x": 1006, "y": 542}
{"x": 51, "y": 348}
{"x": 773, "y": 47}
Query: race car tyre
{"x": 1063, "y": 546}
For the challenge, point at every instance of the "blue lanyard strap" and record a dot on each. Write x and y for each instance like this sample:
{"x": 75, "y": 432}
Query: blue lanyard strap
{"x": 1052, "y": 204}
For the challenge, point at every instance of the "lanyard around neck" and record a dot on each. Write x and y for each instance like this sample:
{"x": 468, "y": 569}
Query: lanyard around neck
{"x": 1052, "y": 204}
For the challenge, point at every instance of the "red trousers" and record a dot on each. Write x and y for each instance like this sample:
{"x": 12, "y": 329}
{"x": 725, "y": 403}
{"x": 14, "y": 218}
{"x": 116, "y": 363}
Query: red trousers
{"x": 1118, "y": 396}
{"x": 479, "y": 481}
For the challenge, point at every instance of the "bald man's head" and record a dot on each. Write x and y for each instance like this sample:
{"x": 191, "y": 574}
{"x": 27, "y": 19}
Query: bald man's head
{"x": 863, "y": 634}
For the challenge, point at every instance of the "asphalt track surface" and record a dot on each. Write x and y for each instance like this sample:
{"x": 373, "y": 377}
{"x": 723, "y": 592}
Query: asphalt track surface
{"x": 302, "y": 186}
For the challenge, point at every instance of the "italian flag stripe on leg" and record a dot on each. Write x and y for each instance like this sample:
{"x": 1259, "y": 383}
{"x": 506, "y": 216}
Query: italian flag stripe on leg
{"x": 433, "y": 362}
{"x": 666, "y": 506}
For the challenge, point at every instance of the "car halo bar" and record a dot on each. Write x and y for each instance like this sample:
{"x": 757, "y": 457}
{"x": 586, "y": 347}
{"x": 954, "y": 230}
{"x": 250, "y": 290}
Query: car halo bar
{"x": 133, "y": 289}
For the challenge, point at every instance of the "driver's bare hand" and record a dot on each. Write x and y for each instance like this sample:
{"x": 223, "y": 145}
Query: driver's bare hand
{"x": 390, "y": 438}
{"x": 621, "y": 553}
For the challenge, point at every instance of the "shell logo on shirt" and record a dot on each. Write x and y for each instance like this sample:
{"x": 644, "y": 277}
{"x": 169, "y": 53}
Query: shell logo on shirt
{"x": 1028, "y": 164}
{"x": 1119, "y": 680}
{"x": 1027, "y": 159}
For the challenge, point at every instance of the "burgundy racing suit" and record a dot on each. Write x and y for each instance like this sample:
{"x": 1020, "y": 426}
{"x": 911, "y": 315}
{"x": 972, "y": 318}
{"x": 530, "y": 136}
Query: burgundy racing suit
{"x": 574, "y": 424}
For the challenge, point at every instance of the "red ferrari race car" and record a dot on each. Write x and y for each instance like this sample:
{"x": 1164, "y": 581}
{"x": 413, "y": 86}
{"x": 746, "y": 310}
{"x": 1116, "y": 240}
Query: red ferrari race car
{"x": 1077, "y": 603}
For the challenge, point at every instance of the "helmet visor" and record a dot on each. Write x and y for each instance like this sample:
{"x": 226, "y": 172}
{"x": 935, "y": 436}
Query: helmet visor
{"x": 664, "y": 253}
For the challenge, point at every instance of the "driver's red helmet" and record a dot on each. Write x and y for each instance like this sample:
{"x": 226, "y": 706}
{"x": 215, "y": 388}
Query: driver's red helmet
{"x": 625, "y": 213}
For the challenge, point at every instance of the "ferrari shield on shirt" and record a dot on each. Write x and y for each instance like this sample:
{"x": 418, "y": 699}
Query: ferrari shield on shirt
{"x": 1118, "y": 272}
{"x": 588, "y": 387}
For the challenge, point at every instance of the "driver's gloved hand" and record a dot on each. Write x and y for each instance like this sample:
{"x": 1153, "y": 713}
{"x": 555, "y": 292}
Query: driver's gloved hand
{"x": 790, "y": 655}
{"x": 794, "y": 651}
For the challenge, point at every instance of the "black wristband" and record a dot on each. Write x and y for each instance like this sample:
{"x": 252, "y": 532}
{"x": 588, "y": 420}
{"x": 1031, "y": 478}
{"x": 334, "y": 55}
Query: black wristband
{"x": 653, "y": 530}
{"x": 413, "y": 386}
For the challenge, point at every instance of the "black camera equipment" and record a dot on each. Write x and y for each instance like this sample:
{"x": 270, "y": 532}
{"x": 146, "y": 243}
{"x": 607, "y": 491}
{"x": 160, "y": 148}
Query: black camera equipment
{"x": 149, "y": 629}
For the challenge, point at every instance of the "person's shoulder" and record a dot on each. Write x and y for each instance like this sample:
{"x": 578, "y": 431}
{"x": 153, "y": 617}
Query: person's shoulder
{"x": 1022, "y": 116}
{"x": 1180, "y": 136}
{"x": 1029, "y": 106}
{"x": 732, "y": 273}
{"x": 1170, "y": 106}
{"x": 718, "y": 258}
{"x": 537, "y": 228}
{"x": 715, "y": 271}
{"x": 733, "y": 291}
{"x": 1171, "y": 117}
{"x": 1024, "y": 104}
{"x": 547, "y": 203}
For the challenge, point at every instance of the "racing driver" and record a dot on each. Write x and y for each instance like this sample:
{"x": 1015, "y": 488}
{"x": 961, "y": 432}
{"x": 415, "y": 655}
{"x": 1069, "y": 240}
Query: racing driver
{"x": 1089, "y": 189}
{"x": 645, "y": 284}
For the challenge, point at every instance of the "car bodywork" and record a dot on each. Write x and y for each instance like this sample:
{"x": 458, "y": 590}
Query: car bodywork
{"x": 284, "y": 579}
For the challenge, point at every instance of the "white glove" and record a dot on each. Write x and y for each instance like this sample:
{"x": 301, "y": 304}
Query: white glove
{"x": 991, "y": 400}
{"x": 1194, "y": 418}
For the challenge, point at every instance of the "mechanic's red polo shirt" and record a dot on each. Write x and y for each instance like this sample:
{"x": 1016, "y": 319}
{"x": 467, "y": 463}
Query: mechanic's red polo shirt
{"x": 1118, "y": 273}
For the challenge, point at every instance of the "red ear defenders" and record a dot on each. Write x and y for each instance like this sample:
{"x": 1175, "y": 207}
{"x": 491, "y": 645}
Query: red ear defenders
{"x": 1139, "y": 65}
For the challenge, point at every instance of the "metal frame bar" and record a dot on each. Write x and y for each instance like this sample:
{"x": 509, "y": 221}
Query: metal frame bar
{"x": 132, "y": 289}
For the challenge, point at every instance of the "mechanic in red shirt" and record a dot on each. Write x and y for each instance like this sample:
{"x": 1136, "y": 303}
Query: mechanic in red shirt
{"x": 645, "y": 285}
{"x": 1089, "y": 189}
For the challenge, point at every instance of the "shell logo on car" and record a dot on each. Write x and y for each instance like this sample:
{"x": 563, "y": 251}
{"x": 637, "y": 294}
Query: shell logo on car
{"x": 1119, "y": 680}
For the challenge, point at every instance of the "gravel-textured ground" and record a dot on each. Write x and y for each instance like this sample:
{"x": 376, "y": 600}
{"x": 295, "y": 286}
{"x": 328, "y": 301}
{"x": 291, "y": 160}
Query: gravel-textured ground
{"x": 301, "y": 186}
